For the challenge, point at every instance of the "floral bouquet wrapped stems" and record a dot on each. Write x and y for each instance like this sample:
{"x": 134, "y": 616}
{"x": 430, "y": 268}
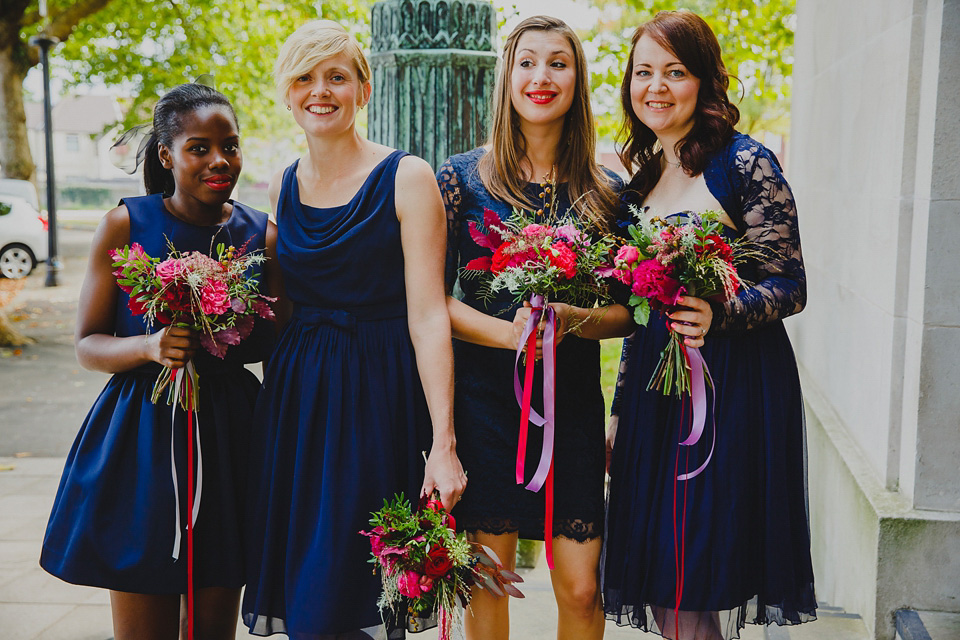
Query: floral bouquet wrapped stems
{"x": 661, "y": 263}
{"x": 424, "y": 563}
{"x": 555, "y": 260}
{"x": 214, "y": 296}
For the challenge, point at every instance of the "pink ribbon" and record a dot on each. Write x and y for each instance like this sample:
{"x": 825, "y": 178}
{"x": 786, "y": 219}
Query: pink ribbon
{"x": 544, "y": 472}
{"x": 699, "y": 373}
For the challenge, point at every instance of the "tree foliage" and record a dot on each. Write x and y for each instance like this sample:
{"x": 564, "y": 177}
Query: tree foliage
{"x": 146, "y": 47}
{"x": 756, "y": 38}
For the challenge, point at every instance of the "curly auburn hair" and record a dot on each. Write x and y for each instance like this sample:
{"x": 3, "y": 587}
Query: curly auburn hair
{"x": 687, "y": 36}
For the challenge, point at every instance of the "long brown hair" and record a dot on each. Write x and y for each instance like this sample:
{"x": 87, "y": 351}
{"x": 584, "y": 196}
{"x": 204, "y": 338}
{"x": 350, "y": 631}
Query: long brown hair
{"x": 501, "y": 169}
{"x": 687, "y": 36}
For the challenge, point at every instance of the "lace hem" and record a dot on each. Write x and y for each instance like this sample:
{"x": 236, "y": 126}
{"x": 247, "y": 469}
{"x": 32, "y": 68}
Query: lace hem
{"x": 577, "y": 530}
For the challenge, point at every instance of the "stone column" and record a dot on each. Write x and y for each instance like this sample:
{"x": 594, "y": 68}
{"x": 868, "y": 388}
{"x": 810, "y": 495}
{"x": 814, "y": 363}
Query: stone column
{"x": 434, "y": 65}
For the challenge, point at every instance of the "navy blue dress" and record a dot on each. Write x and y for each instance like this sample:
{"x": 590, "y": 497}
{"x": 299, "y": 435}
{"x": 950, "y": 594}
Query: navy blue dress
{"x": 113, "y": 520}
{"x": 747, "y": 545}
{"x": 486, "y": 413}
{"x": 341, "y": 420}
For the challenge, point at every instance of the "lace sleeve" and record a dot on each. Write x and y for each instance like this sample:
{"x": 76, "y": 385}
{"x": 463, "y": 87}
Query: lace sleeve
{"x": 618, "y": 389}
{"x": 449, "y": 182}
{"x": 770, "y": 218}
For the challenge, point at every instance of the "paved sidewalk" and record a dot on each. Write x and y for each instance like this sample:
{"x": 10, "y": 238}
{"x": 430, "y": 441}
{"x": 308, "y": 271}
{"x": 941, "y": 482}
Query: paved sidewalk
{"x": 37, "y": 606}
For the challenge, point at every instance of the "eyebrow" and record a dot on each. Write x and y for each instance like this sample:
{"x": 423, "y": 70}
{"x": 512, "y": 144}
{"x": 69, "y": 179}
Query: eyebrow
{"x": 669, "y": 64}
{"x": 552, "y": 53}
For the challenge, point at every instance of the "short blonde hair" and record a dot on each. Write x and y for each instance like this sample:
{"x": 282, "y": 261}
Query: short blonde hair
{"x": 311, "y": 44}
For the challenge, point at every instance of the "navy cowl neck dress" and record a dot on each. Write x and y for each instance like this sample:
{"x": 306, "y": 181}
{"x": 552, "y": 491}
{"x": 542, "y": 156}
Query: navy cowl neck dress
{"x": 341, "y": 420}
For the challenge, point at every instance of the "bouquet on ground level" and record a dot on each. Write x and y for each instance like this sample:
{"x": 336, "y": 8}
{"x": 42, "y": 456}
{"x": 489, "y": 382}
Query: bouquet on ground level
{"x": 214, "y": 296}
{"x": 424, "y": 563}
{"x": 663, "y": 262}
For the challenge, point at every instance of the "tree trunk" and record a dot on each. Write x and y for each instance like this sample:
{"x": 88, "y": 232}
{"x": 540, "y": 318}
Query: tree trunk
{"x": 16, "y": 160}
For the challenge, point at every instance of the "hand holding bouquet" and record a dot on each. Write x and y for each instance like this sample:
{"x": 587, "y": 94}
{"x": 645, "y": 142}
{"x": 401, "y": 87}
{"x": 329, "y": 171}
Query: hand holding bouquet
{"x": 553, "y": 260}
{"x": 213, "y": 296}
{"x": 421, "y": 558}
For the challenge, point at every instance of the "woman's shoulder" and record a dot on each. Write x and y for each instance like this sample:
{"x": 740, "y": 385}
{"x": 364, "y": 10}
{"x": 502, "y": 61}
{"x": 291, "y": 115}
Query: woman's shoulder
{"x": 465, "y": 162}
{"x": 616, "y": 182}
{"x": 743, "y": 152}
{"x": 250, "y": 213}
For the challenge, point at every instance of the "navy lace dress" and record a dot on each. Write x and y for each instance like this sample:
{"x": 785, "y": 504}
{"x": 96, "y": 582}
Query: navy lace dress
{"x": 341, "y": 421}
{"x": 487, "y": 416}
{"x": 746, "y": 548}
{"x": 113, "y": 523}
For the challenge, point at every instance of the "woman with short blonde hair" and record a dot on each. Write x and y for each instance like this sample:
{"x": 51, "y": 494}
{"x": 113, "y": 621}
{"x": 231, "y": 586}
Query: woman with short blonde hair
{"x": 362, "y": 369}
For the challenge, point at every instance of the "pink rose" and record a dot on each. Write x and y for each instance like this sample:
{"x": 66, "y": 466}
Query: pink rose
{"x": 213, "y": 298}
{"x": 563, "y": 257}
{"x": 169, "y": 270}
{"x": 654, "y": 280}
{"x": 413, "y": 585}
{"x": 627, "y": 255}
{"x": 536, "y": 231}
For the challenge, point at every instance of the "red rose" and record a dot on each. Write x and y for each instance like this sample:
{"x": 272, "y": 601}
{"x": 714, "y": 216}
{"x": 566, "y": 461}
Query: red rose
{"x": 438, "y": 562}
{"x": 136, "y": 306}
{"x": 501, "y": 259}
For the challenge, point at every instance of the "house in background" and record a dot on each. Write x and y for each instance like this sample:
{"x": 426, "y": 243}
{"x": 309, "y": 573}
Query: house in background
{"x": 84, "y": 128}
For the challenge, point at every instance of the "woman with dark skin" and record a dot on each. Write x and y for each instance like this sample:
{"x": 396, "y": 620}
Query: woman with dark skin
{"x": 113, "y": 522}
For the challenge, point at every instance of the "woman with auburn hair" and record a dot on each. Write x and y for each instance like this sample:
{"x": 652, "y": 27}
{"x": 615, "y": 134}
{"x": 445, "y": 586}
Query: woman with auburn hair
{"x": 736, "y": 548}
{"x": 542, "y": 139}
{"x": 363, "y": 367}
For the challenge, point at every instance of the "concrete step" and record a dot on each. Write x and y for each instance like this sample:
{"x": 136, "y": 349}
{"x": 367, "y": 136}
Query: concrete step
{"x": 927, "y": 625}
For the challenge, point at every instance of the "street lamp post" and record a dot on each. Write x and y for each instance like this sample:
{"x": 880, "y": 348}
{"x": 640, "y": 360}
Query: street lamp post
{"x": 45, "y": 42}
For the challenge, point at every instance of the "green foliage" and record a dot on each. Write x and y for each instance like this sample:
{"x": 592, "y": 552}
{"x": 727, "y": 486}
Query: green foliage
{"x": 149, "y": 47}
{"x": 756, "y": 38}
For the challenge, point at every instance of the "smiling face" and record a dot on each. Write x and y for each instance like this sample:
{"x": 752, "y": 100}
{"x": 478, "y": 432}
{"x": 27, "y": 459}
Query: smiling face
{"x": 663, "y": 93}
{"x": 325, "y": 100}
{"x": 543, "y": 79}
{"x": 205, "y": 157}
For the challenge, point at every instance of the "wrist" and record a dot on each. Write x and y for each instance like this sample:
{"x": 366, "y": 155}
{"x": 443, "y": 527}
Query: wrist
{"x": 444, "y": 443}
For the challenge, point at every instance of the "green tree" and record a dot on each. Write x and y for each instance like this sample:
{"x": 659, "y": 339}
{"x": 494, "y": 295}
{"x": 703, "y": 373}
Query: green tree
{"x": 756, "y": 38}
{"x": 148, "y": 46}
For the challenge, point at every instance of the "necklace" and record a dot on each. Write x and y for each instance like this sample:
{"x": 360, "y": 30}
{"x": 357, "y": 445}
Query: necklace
{"x": 672, "y": 164}
{"x": 547, "y": 191}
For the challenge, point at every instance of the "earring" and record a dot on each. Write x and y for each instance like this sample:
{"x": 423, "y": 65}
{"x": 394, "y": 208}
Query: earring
{"x": 288, "y": 108}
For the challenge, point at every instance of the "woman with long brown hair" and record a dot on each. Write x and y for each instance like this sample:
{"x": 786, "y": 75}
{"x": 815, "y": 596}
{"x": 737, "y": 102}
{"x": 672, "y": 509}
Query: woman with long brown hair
{"x": 542, "y": 139}
{"x": 696, "y": 558}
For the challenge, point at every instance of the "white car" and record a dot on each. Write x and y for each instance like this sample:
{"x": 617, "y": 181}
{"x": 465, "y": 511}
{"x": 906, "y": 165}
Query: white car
{"x": 23, "y": 237}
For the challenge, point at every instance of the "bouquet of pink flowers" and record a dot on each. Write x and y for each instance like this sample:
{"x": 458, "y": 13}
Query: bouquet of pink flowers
{"x": 663, "y": 262}
{"x": 422, "y": 558}
{"x": 555, "y": 260}
{"x": 213, "y": 296}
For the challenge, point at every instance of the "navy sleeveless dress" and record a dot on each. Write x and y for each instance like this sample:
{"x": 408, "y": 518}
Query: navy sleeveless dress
{"x": 341, "y": 420}
{"x": 113, "y": 520}
{"x": 486, "y": 413}
{"x": 746, "y": 546}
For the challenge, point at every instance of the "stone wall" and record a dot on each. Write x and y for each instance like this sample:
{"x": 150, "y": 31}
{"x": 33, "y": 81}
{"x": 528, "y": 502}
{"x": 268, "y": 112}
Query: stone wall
{"x": 874, "y": 165}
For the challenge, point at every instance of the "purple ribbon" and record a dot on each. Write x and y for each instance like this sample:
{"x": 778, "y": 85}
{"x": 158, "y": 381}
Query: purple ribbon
{"x": 549, "y": 384}
{"x": 698, "y": 393}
